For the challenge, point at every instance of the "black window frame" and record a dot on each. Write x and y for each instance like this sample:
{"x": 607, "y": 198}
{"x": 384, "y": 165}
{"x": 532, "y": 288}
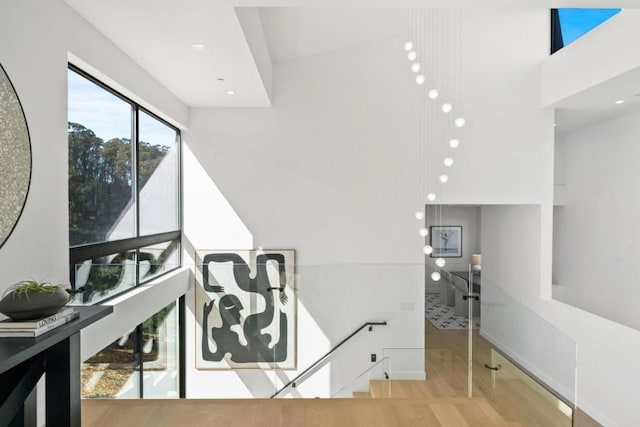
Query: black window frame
{"x": 81, "y": 253}
{"x": 556, "y": 32}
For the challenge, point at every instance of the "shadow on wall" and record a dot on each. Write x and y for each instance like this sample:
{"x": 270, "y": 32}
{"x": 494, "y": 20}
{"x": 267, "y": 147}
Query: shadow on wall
{"x": 333, "y": 301}
{"x": 210, "y": 222}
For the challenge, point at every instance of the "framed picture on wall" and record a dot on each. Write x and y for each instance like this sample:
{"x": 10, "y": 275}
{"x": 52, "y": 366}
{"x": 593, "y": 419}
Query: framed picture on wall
{"x": 245, "y": 308}
{"x": 446, "y": 241}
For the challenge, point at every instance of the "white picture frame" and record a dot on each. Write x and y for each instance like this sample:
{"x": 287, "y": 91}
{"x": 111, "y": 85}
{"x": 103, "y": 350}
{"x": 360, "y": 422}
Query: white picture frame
{"x": 245, "y": 306}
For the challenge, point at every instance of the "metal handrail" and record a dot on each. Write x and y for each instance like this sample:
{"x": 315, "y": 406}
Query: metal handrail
{"x": 317, "y": 362}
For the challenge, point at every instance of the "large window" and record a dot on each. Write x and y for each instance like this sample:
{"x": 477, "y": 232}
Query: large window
{"x": 144, "y": 363}
{"x": 124, "y": 191}
{"x": 101, "y": 194}
{"x": 124, "y": 230}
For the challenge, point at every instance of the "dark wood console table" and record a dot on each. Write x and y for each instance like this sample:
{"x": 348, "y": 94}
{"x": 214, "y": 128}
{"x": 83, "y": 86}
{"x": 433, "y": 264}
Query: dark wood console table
{"x": 57, "y": 354}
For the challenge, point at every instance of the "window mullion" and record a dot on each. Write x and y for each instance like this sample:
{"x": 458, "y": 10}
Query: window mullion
{"x": 136, "y": 164}
{"x": 134, "y": 185}
{"x": 136, "y": 197}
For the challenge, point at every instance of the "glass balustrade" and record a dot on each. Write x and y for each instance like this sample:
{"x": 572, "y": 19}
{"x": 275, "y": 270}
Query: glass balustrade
{"x": 142, "y": 362}
{"x": 523, "y": 365}
{"x": 269, "y": 328}
{"x": 347, "y": 316}
{"x": 373, "y": 382}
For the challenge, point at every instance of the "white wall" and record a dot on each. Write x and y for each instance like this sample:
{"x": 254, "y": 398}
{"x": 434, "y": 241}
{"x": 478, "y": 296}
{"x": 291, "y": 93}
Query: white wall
{"x": 574, "y": 68}
{"x": 510, "y": 161}
{"x": 524, "y": 271}
{"x": 38, "y": 247}
{"x": 326, "y": 165}
{"x": 35, "y": 40}
{"x": 323, "y": 172}
{"x": 506, "y": 150}
{"x": 596, "y": 231}
{"x": 511, "y": 266}
{"x": 329, "y": 166}
{"x": 513, "y": 252}
{"x": 341, "y": 192}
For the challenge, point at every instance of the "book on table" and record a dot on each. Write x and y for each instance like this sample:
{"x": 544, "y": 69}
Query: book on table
{"x": 34, "y": 328}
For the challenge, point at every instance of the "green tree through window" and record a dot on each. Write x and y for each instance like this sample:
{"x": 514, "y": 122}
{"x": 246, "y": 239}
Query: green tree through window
{"x": 100, "y": 180}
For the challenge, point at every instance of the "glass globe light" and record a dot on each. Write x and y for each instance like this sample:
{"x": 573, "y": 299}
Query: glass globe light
{"x": 412, "y": 55}
{"x": 446, "y": 108}
{"x": 433, "y": 93}
{"x": 453, "y": 143}
{"x": 435, "y": 276}
{"x": 431, "y": 197}
{"x": 420, "y": 78}
{"x": 443, "y": 178}
{"x": 415, "y": 67}
{"x": 408, "y": 46}
{"x": 427, "y": 250}
{"x": 440, "y": 262}
{"x": 459, "y": 122}
{"x": 419, "y": 215}
{"x": 448, "y": 162}
{"x": 423, "y": 232}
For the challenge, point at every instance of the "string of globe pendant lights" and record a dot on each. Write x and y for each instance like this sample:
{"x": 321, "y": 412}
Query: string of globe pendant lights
{"x": 442, "y": 85}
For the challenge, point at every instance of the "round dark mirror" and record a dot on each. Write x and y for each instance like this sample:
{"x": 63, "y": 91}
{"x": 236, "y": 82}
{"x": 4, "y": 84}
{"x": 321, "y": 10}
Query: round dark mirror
{"x": 15, "y": 157}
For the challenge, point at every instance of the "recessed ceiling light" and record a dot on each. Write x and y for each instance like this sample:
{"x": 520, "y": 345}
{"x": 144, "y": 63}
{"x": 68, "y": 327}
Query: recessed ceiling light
{"x": 198, "y": 46}
{"x": 619, "y": 101}
{"x": 231, "y": 92}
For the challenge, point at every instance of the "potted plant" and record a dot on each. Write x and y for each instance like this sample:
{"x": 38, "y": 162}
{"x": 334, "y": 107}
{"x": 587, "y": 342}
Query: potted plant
{"x": 33, "y": 299}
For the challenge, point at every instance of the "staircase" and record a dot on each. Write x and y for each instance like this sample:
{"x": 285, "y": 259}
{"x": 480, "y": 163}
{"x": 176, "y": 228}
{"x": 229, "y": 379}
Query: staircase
{"x": 446, "y": 411}
{"x": 411, "y": 389}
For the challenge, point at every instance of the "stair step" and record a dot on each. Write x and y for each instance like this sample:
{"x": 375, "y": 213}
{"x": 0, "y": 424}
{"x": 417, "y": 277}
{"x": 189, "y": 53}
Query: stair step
{"x": 435, "y": 388}
{"x": 361, "y": 395}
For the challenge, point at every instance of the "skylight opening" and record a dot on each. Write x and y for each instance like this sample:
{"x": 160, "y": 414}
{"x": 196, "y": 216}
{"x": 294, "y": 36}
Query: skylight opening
{"x": 569, "y": 24}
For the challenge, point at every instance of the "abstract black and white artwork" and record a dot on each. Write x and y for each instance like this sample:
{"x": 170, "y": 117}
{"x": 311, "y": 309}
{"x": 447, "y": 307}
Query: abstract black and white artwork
{"x": 245, "y": 309}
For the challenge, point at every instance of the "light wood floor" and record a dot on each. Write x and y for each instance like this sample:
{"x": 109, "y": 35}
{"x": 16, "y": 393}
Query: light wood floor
{"x": 513, "y": 395}
{"x": 456, "y": 412}
{"x": 502, "y": 398}
{"x": 516, "y": 397}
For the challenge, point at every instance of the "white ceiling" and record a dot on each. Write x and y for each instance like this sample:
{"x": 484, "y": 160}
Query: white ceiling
{"x": 599, "y": 102}
{"x": 545, "y": 4}
{"x": 157, "y": 34}
{"x": 298, "y": 32}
